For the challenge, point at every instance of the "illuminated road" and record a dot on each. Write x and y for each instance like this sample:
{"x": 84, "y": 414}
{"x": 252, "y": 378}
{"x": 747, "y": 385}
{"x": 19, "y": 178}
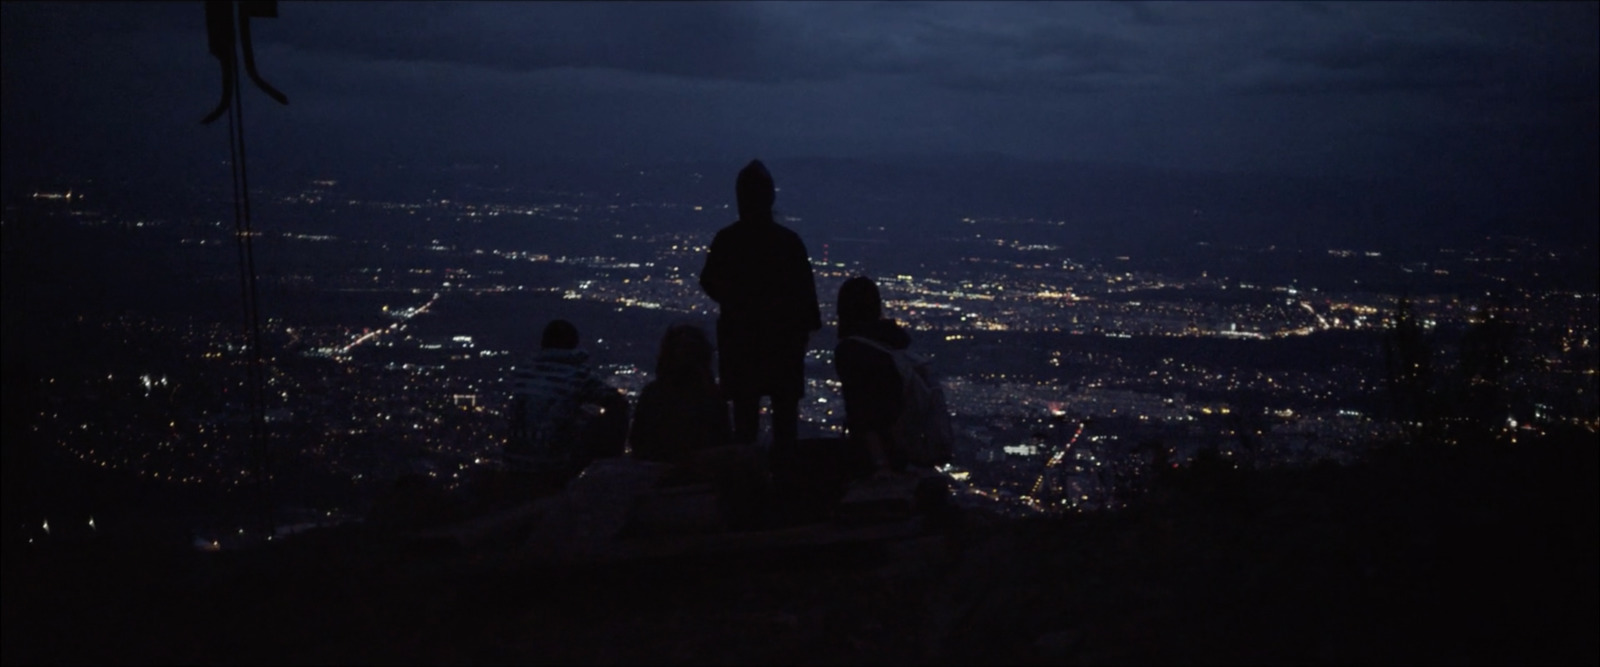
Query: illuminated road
{"x": 1056, "y": 460}
{"x": 404, "y": 316}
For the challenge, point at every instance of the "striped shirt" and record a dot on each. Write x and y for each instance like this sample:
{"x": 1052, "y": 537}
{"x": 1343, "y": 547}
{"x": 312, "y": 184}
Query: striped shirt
{"x": 547, "y": 397}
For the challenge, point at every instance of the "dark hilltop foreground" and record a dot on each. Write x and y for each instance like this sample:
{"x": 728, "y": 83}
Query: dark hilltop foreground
{"x": 1469, "y": 554}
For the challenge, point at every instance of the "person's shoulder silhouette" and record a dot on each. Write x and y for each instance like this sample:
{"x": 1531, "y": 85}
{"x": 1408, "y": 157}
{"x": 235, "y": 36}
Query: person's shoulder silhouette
{"x": 759, "y": 268}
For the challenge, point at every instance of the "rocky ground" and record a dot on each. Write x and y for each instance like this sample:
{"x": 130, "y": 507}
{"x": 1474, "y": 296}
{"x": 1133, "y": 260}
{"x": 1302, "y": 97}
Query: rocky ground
{"x": 1471, "y": 554}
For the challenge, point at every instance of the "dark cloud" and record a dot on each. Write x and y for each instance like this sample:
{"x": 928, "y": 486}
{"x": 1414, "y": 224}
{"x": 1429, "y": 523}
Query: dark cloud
{"x": 1386, "y": 64}
{"x": 1451, "y": 62}
{"x": 1188, "y": 84}
{"x": 1177, "y": 13}
{"x": 736, "y": 42}
{"x": 1374, "y": 65}
{"x": 758, "y": 43}
{"x": 1032, "y": 59}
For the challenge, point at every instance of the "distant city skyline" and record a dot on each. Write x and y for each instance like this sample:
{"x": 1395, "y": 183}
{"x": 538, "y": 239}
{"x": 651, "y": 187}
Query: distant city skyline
{"x": 386, "y": 357}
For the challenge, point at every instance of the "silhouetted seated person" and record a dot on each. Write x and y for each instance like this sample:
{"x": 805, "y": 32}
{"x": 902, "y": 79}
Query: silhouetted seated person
{"x": 681, "y": 411}
{"x": 868, "y": 378}
{"x": 759, "y": 274}
{"x": 563, "y": 416}
{"x": 682, "y": 419}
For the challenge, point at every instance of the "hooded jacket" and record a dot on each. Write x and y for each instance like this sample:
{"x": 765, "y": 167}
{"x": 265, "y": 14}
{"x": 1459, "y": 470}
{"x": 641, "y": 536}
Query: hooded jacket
{"x": 760, "y": 275}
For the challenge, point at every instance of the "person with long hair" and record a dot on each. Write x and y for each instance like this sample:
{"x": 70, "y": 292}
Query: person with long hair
{"x": 681, "y": 411}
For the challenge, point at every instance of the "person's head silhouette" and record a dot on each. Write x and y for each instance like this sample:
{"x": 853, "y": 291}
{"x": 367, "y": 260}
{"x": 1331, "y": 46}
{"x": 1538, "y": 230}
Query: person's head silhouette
{"x": 859, "y": 304}
{"x": 756, "y": 192}
{"x": 559, "y": 335}
{"x": 685, "y": 357}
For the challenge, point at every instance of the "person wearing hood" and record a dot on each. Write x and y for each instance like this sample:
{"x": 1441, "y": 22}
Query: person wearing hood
{"x": 563, "y": 415}
{"x": 759, "y": 273}
{"x": 868, "y": 378}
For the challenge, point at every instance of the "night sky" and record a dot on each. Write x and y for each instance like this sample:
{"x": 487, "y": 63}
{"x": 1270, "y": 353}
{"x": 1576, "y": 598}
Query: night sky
{"x": 1468, "y": 94}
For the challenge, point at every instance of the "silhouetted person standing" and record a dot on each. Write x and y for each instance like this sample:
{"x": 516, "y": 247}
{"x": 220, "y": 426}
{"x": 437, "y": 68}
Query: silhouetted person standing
{"x": 759, "y": 274}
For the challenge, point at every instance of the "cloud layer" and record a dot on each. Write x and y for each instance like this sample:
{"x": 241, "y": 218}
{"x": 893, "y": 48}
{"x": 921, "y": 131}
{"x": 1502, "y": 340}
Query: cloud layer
{"x": 1347, "y": 87}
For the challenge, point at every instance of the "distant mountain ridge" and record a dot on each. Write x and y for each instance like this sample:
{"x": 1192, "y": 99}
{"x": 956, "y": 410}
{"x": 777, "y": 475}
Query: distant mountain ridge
{"x": 1100, "y": 207}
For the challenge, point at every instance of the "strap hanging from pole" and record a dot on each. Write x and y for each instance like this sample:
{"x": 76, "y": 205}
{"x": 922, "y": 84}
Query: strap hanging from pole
{"x": 220, "y": 34}
{"x": 220, "y": 19}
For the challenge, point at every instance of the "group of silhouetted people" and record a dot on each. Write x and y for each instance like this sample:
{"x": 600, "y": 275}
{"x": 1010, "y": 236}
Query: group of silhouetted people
{"x": 563, "y": 416}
